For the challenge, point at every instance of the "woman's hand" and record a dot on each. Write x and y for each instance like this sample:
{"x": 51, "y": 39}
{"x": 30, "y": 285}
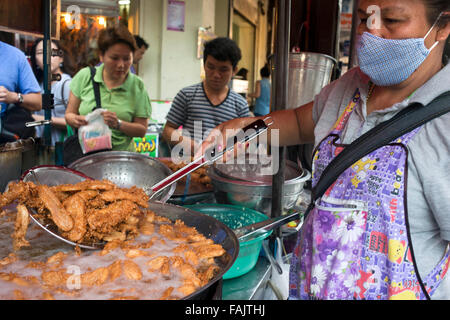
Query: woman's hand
{"x": 218, "y": 136}
{"x": 75, "y": 120}
{"x": 111, "y": 119}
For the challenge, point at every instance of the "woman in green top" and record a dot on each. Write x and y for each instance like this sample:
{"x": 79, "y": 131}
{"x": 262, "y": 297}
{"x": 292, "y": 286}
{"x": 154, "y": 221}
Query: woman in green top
{"x": 122, "y": 93}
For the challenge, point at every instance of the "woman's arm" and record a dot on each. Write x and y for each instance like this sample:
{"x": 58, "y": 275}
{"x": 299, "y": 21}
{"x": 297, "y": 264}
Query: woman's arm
{"x": 136, "y": 128}
{"x": 257, "y": 92}
{"x": 292, "y": 126}
{"x": 73, "y": 117}
{"x": 56, "y": 122}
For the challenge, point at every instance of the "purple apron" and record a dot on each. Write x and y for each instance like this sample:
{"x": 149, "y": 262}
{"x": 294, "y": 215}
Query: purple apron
{"x": 355, "y": 243}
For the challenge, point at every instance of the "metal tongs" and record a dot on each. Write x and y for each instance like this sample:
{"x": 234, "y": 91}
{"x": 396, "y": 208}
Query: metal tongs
{"x": 37, "y": 123}
{"x": 210, "y": 156}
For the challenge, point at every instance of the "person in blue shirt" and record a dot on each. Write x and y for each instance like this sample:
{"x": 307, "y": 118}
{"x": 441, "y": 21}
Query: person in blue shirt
{"x": 262, "y": 93}
{"x": 18, "y": 84}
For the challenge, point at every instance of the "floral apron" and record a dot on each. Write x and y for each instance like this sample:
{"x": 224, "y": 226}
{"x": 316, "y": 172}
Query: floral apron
{"x": 355, "y": 243}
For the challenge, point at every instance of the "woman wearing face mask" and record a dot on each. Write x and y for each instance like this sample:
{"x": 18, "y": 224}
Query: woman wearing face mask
{"x": 362, "y": 240}
{"x": 59, "y": 89}
{"x": 122, "y": 93}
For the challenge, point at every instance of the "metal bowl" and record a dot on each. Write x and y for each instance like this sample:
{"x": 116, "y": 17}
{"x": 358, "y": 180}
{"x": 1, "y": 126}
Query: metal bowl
{"x": 257, "y": 195}
{"x": 126, "y": 169}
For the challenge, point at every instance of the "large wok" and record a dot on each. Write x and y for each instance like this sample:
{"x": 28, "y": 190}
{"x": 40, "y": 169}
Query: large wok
{"x": 208, "y": 226}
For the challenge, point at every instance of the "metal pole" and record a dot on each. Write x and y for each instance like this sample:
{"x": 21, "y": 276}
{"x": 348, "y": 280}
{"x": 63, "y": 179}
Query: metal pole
{"x": 281, "y": 79}
{"x": 47, "y": 99}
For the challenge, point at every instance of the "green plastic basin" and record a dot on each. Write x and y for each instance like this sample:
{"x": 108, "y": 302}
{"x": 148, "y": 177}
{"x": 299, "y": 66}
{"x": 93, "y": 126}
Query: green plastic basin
{"x": 235, "y": 217}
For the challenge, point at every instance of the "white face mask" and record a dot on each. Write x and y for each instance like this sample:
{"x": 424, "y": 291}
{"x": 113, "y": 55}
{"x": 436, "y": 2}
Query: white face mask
{"x": 389, "y": 62}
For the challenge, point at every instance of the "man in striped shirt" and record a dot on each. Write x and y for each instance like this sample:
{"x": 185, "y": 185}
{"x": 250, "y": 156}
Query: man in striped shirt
{"x": 202, "y": 107}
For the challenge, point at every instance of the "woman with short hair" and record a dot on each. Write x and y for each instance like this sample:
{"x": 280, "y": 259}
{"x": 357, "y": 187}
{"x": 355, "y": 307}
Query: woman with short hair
{"x": 122, "y": 93}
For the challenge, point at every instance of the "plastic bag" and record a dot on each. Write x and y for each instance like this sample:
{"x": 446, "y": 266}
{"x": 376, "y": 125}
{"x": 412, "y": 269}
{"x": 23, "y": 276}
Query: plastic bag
{"x": 96, "y": 135}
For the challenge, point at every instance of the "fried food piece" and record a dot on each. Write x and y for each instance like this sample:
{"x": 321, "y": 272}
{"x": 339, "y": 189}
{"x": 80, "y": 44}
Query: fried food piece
{"x": 166, "y": 230}
{"x": 188, "y": 272}
{"x": 20, "y": 190}
{"x": 120, "y": 194}
{"x": 87, "y": 195}
{"x": 150, "y": 216}
{"x": 18, "y": 295}
{"x": 36, "y": 265}
{"x": 167, "y": 293}
{"x": 115, "y": 236}
{"x": 147, "y": 228}
{"x": 58, "y": 213}
{"x": 95, "y": 278}
{"x": 20, "y": 228}
{"x": 181, "y": 227}
{"x": 208, "y": 274}
{"x": 110, "y": 246}
{"x": 86, "y": 185}
{"x": 103, "y": 220}
{"x": 75, "y": 205}
{"x": 132, "y": 270}
{"x": 57, "y": 258}
{"x": 134, "y": 253}
{"x": 56, "y": 278}
{"x": 115, "y": 270}
{"x": 187, "y": 288}
{"x": 191, "y": 257}
{"x": 47, "y": 296}
{"x": 180, "y": 248}
{"x": 158, "y": 263}
{"x": 209, "y": 251}
{"x": 11, "y": 258}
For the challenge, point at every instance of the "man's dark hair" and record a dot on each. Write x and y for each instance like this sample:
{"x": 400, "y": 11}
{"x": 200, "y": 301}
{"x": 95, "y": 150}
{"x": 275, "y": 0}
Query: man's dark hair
{"x": 223, "y": 49}
{"x": 141, "y": 42}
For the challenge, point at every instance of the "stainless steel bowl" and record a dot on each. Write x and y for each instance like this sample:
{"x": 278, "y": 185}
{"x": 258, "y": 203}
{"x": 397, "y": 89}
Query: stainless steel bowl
{"x": 126, "y": 169}
{"x": 257, "y": 195}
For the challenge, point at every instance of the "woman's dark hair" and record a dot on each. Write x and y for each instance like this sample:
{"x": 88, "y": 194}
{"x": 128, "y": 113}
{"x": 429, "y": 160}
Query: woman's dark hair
{"x": 114, "y": 35}
{"x": 66, "y": 67}
{"x": 265, "y": 71}
{"x": 434, "y": 9}
{"x": 242, "y": 73}
{"x": 223, "y": 49}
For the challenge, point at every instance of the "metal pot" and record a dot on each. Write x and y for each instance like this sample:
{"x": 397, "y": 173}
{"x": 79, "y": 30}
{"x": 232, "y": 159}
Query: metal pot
{"x": 10, "y": 163}
{"x": 257, "y": 195}
{"x": 308, "y": 74}
{"x": 29, "y": 153}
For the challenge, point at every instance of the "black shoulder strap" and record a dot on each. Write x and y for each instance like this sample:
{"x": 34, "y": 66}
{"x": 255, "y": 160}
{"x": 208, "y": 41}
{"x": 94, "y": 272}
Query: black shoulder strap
{"x": 96, "y": 89}
{"x": 405, "y": 121}
{"x": 62, "y": 92}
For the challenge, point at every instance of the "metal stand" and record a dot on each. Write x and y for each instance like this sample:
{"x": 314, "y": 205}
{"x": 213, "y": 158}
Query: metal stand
{"x": 47, "y": 97}
{"x": 280, "y": 99}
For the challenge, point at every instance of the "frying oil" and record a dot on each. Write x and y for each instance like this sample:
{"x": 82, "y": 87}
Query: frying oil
{"x": 151, "y": 286}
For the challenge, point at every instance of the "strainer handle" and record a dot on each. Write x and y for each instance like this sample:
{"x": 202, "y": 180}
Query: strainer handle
{"x": 261, "y": 227}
